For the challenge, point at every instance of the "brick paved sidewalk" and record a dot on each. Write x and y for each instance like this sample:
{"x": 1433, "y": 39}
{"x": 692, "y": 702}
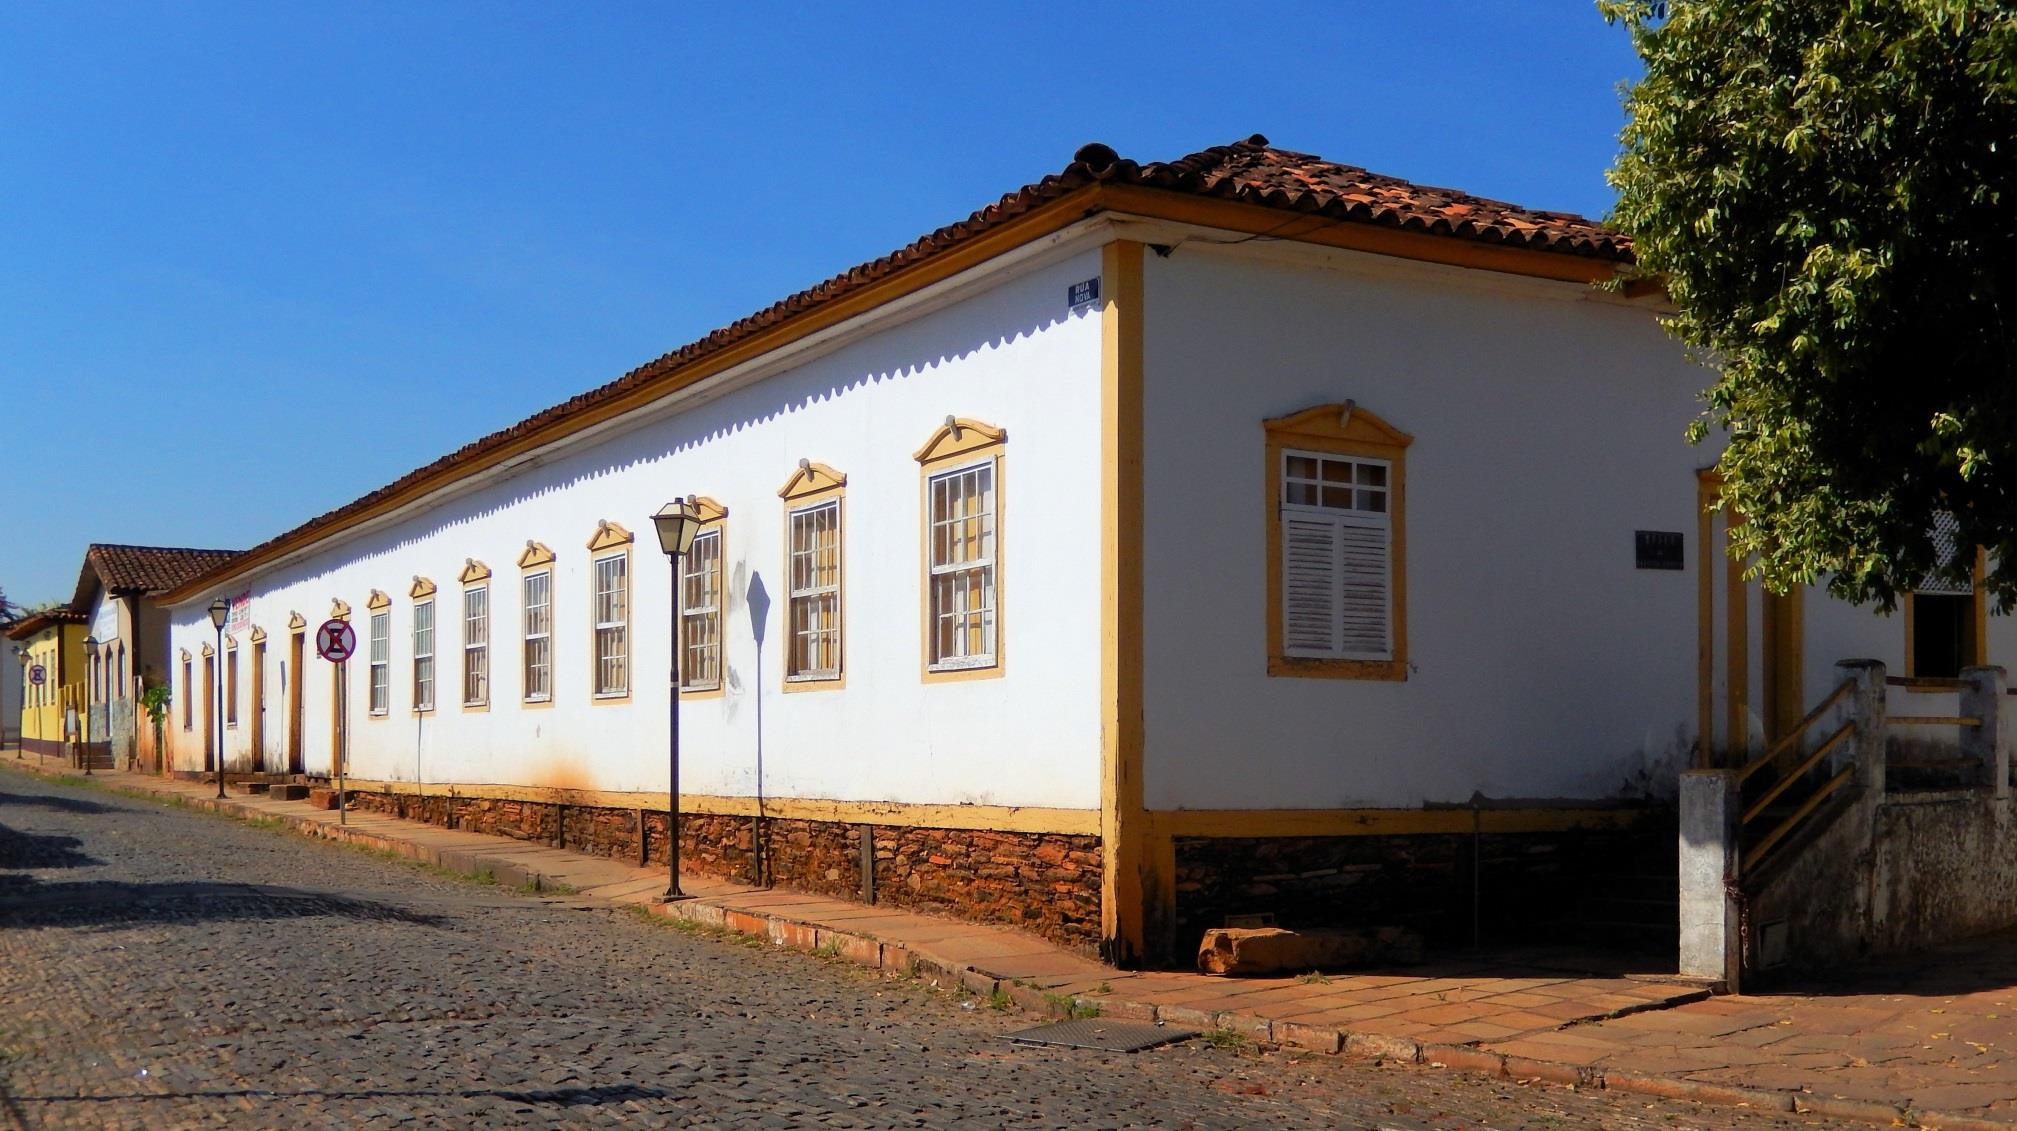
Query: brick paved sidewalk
{"x": 1924, "y": 1045}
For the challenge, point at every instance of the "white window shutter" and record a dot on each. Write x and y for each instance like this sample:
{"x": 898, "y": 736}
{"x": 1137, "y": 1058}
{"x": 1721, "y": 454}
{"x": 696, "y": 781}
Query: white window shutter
{"x": 1336, "y": 572}
{"x": 1309, "y": 584}
{"x": 1363, "y": 575}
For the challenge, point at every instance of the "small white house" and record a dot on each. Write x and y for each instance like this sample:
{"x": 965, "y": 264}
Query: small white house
{"x": 1244, "y": 534}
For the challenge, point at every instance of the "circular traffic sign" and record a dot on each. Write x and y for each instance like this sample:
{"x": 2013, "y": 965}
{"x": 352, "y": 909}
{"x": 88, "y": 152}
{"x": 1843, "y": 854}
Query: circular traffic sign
{"x": 37, "y": 674}
{"x": 335, "y": 641}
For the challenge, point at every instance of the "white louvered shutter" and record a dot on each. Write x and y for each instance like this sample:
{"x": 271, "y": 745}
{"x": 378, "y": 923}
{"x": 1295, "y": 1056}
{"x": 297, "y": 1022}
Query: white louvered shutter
{"x": 1309, "y": 584}
{"x": 1337, "y": 558}
{"x": 1363, "y": 573}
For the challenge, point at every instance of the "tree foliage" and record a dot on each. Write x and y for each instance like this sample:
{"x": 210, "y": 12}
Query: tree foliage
{"x": 1829, "y": 190}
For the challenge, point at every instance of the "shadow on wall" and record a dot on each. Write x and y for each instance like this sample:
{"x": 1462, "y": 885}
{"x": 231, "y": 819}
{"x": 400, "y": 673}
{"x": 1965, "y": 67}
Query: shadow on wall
{"x": 949, "y": 336}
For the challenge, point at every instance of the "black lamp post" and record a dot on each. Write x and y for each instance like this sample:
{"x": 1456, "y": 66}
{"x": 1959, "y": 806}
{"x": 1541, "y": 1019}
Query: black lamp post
{"x": 677, "y": 521}
{"x": 219, "y": 609}
{"x": 90, "y": 685}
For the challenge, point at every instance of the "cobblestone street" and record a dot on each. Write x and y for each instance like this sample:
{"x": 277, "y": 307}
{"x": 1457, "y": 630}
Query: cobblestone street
{"x": 162, "y": 968}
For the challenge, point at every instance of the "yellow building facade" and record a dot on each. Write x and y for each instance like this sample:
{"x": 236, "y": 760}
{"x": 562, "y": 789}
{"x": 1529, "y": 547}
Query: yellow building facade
{"x": 51, "y": 644}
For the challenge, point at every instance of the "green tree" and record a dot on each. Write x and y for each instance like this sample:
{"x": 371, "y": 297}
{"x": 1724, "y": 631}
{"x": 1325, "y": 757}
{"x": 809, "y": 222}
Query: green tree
{"x": 1828, "y": 189}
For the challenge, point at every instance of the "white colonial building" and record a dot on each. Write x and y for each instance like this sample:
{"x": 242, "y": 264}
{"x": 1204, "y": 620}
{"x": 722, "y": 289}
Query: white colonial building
{"x": 1241, "y": 534}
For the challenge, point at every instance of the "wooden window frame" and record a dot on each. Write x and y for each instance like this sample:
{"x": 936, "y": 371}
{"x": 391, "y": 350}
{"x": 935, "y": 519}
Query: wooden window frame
{"x": 424, "y": 705}
{"x": 1978, "y": 613}
{"x": 188, "y": 691}
{"x": 475, "y": 579}
{"x": 376, "y": 606}
{"x": 230, "y": 682}
{"x": 813, "y": 486}
{"x": 957, "y": 446}
{"x": 610, "y": 543}
{"x": 713, "y": 524}
{"x": 537, "y": 560}
{"x": 1352, "y": 432}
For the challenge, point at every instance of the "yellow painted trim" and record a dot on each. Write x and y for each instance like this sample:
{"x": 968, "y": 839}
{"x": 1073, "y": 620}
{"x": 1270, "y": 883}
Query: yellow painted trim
{"x": 377, "y": 601}
{"x": 1707, "y": 485}
{"x": 535, "y": 554}
{"x": 1784, "y": 635}
{"x": 963, "y": 442}
{"x": 1980, "y": 609}
{"x": 473, "y": 581}
{"x": 339, "y": 609}
{"x": 552, "y": 622}
{"x": 710, "y": 511}
{"x": 413, "y": 658}
{"x": 1257, "y": 823}
{"x": 258, "y": 635}
{"x": 811, "y": 479}
{"x": 617, "y": 538}
{"x": 208, "y": 650}
{"x": 1124, "y": 849}
{"x": 957, "y": 437}
{"x": 1348, "y": 430}
{"x": 609, "y": 534}
{"x": 997, "y": 818}
{"x": 296, "y": 620}
{"x": 422, "y": 587}
{"x": 1375, "y": 239}
{"x": 812, "y": 484}
{"x": 1737, "y": 648}
{"x": 473, "y": 571}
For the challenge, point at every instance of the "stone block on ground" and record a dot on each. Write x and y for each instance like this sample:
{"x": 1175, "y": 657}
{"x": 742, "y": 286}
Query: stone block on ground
{"x": 321, "y": 797}
{"x": 1255, "y": 951}
{"x": 288, "y": 792}
{"x": 249, "y": 788}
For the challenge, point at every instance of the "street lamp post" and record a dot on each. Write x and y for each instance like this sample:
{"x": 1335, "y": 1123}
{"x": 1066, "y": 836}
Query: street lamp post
{"x": 677, "y": 522}
{"x": 90, "y": 682}
{"x": 219, "y": 609}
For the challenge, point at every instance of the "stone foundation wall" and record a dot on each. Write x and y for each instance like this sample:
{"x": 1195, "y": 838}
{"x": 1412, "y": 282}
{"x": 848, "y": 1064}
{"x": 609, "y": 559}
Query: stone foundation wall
{"x": 1498, "y": 888}
{"x": 1045, "y": 883}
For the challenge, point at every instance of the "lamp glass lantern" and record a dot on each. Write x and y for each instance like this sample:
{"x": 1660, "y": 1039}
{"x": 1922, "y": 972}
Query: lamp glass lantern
{"x": 219, "y": 609}
{"x": 677, "y": 522}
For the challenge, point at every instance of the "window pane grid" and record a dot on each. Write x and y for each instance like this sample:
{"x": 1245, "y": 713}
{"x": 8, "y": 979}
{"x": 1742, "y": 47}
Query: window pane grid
{"x": 476, "y": 645}
{"x": 1335, "y": 483}
{"x": 381, "y": 657}
{"x": 612, "y": 660}
{"x": 423, "y": 656}
{"x": 539, "y": 636}
{"x": 962, "y": 567}
{"x": 700, "y": 613}
{"x": 815, "y": 591}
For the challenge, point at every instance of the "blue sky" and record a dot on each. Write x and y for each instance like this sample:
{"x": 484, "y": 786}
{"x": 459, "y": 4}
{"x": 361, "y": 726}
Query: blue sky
{"x": 258, "y": 259}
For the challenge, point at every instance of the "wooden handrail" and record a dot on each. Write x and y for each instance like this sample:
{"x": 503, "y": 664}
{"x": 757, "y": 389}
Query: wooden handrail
{"x": 1757, "y": 853}
{"x": 1928, "y": 683}
{"x": 1936, "y": 720}
{"x": 1793, "y": 736}
{"x": 1786, "y": 782}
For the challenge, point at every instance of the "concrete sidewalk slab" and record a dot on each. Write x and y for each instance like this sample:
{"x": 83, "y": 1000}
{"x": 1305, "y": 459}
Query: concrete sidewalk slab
{"x": 1931, "y": 1044}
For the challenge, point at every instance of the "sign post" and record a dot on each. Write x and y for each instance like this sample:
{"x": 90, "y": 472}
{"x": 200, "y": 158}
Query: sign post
{"x": 335, "y": 641}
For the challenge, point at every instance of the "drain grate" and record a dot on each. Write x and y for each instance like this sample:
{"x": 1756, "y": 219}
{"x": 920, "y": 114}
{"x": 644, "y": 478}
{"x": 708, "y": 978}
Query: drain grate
{"x": 1106, "y": 1036}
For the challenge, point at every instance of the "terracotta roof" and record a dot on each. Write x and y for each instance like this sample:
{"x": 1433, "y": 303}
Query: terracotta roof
{"x": 35, "y": 622}
{"x": 1249, "y": 171}
{"x": 142, "y": 569}
{"x": 1257, "y": 173}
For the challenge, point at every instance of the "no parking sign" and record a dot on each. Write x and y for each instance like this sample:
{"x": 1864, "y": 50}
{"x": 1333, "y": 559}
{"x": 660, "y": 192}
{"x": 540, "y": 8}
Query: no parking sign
{"x": 335, "y": 641}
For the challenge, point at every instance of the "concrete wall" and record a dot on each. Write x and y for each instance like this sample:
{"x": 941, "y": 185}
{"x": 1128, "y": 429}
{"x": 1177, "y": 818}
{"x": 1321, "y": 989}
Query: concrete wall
{"x": 1547, "y": 428}
{"x": 1011, "y": 356}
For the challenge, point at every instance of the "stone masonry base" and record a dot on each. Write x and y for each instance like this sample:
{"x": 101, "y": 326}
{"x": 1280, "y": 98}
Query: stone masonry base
{"x": 1045, "y": 883}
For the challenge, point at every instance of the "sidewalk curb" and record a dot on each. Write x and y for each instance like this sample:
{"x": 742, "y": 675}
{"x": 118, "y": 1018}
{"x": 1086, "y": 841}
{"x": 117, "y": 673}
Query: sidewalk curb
{"x": 900, "y": 960}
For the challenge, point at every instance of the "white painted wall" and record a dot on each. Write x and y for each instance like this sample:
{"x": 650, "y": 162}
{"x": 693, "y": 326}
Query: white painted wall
{"x": 1548, "y": 428}
{"x": 1008, "y": 355}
